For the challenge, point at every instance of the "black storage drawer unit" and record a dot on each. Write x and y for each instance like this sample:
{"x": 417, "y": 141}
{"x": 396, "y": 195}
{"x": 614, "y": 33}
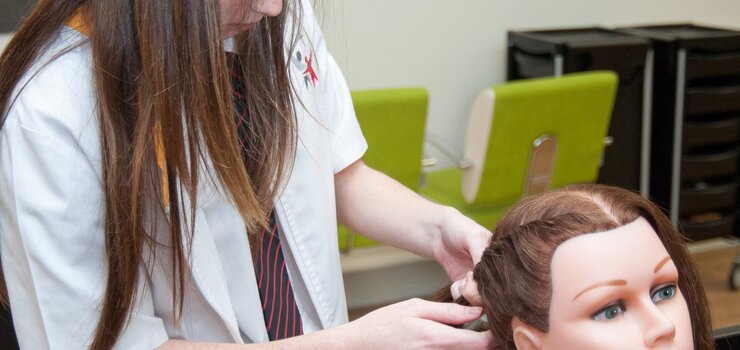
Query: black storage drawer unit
{"x": 708, "y": 166}
{"x": 707, "y": 199}
{"x": 533, "y": 66}
{"x": 701, "y": 65}
{"x": 696, "y": 125}
{"x": 698, "y": 133}
{"x": 721, "y": 226}
{"x": 555, "y": 52}
{"x": 712, "y": 100}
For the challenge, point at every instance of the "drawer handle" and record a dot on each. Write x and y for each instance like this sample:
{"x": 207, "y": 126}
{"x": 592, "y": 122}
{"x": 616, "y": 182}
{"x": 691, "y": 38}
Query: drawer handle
{"x": 720, "y": 90}
{"x": 733, "y": 55}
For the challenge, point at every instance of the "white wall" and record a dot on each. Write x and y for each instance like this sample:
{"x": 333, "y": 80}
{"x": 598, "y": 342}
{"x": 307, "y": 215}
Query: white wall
{"x": 4, "y": 38}
{"x": 455, "y": 48}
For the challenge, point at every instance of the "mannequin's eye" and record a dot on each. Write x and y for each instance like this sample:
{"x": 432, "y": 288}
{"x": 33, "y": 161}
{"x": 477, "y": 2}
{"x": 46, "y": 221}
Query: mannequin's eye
{"x": 663, "y": 294}
{"x": 609, "y": 313}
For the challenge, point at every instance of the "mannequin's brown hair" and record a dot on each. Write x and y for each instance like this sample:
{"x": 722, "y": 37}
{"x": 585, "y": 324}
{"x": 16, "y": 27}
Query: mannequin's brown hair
{"x": 514, "y": 276}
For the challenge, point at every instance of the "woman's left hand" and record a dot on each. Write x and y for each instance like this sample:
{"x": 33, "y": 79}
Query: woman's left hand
{"x": 460, "y": 245}
{"x": 377, "y": 206}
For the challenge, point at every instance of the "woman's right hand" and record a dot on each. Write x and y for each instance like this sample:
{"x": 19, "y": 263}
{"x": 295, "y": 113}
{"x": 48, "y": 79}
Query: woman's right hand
{"x": 418, "y": 324}
{"x": 411, "y": 324}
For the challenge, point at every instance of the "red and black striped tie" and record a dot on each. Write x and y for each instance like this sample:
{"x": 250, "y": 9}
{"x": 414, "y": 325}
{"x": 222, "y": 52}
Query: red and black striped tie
{"x": 279, "y": 309}
{"x": 282, "y": 318}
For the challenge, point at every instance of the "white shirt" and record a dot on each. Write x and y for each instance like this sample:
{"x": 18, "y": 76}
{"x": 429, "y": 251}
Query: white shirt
{"x": 51, "y": 234}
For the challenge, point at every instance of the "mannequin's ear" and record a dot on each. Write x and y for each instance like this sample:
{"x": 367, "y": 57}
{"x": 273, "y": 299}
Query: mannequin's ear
{"x": 525, "y": 336}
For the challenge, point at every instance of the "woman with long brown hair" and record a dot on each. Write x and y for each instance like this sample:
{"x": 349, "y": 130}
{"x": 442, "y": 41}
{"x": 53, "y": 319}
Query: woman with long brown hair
{"x": 585, "y": 267}
{"x": 171, "y": 175}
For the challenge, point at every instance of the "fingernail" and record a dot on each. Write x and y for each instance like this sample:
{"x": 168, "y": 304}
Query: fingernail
{"x": 455, "y": 290}
{"x": 475, "y": 310}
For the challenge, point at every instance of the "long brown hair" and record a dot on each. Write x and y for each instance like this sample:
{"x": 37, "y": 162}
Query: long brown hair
{"x": 514, "y": 276}
{"x": 161, "y": 65}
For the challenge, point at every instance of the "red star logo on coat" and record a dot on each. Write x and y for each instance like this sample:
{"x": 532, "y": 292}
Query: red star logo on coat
{"x": 310, "y": 71}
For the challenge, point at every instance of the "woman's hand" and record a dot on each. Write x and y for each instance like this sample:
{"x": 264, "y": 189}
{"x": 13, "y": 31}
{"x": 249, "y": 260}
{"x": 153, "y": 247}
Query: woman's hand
{"x": 411, "y": 324}
{"x": 458, "y": 248}
{"x": 466, "y": 288}
{"x": 418, "y": 324}
{"x": 378, "y": 207}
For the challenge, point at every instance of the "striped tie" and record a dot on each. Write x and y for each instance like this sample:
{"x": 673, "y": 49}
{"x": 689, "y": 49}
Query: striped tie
{"x": 282, "y": 318}
{"x": 279, "y": 309}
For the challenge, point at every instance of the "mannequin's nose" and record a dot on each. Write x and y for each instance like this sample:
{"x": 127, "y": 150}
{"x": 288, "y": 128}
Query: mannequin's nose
{"x": 659, "y": 329}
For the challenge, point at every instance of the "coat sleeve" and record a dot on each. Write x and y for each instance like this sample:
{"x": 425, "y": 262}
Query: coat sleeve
{"x": 51, "y": 221}
{"x": 333, "y": 94}
{"x": 348, "y": 143}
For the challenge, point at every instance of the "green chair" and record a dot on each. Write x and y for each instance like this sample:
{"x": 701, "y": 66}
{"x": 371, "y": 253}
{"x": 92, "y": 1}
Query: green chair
{"x": 392, "y": 121}
{"x": 524, "y": 137}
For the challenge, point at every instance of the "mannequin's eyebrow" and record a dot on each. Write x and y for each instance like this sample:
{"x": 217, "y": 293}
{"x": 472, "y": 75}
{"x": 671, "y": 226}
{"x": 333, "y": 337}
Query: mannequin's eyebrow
{"x": 601, "y": 284}
{"x": 661, "y": 264}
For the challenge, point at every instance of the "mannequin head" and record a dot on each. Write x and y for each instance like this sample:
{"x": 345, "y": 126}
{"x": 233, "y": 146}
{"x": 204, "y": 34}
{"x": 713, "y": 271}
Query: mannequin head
{"x": 591, "y": 266}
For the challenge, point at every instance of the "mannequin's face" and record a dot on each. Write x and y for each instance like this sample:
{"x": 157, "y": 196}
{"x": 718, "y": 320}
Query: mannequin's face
{"x": 241, "y": 15}
{"x": 617, "y": 290}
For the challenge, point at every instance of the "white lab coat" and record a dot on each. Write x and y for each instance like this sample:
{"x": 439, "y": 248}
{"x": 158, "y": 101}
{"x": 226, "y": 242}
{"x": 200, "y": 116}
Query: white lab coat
{"x": 51, "y": 235}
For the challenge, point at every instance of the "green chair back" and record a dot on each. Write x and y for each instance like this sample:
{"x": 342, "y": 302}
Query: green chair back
{"x": 393, "y": 122}
{"x": 505, "y": 124}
